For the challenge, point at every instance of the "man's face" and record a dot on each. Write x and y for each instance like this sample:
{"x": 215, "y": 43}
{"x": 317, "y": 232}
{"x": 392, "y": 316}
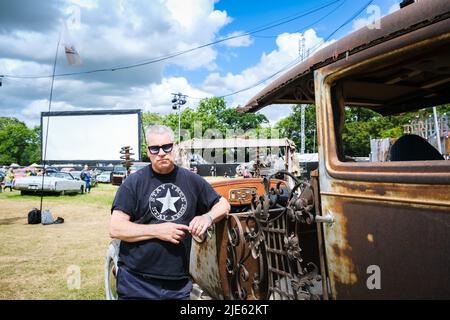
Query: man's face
{"x": 162, "y": 162}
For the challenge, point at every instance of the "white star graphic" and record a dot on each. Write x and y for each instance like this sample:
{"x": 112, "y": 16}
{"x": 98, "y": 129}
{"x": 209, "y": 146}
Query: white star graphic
{"x": 168, "y": 202}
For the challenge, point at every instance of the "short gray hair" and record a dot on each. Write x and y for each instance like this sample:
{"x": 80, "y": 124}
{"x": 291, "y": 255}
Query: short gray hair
{"x": 159, "y": 129}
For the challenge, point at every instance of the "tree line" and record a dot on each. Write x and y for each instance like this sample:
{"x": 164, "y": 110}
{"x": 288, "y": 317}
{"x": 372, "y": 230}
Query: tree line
{"x": 20, "y": 144}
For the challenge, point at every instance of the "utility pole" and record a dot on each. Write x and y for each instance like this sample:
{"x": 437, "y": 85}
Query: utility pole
{"x": 177, "y": 101}
{"x": 302, "y": 55}
{"x": 437, "y": 130}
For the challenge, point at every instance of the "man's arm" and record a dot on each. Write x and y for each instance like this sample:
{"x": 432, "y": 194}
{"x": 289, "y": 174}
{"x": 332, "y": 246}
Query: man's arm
{"x": 123, "y": 229}
{"x": 199, "y": 224}
{"x": 220, "y": 210}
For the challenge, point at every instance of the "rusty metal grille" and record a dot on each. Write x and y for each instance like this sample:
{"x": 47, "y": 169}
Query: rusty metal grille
{"x": 270, "y": 234}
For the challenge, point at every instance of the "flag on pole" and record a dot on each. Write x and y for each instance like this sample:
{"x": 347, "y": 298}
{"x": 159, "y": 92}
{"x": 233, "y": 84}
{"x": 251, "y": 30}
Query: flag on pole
{"x": 73, "y": 58}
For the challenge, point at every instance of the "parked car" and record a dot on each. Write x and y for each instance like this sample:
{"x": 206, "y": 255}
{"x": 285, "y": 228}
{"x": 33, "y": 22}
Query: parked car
{"x": 104, "y": 177}
{"x": 76, "y": 174}
{"x": 356, "y": 230}
{"x": 55, "y": 182}
{"x": 19, "y": 173}
{"x": 118, "y": 174}
{"x": 138, "y": 166}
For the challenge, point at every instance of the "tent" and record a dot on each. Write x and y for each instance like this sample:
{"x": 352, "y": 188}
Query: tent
{"x": 35, "y": 165}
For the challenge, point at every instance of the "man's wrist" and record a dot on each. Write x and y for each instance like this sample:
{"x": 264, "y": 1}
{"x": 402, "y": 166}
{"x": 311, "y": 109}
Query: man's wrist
{"x": 210, "y": 218}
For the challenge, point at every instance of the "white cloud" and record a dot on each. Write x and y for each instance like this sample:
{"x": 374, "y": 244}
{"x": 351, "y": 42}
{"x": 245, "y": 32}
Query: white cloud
{"x": 89, "y": 4}
{"x": 240, "y": 41}
{"x": 28, "y": 45}
{"x": 110, "y": 34}
{"x": 276, "y": 112}
{"x": 393, "y": 8}
{"x": 373, "y": 13}
{"x": 119, "y": 33}
{"x": 270, "y": 63}
{"x": 159, "y": 95}
{"x": 31, "y": 114}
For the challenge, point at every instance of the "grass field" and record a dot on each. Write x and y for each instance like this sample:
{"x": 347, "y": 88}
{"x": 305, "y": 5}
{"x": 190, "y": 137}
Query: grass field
{"x": 38, "y": 262}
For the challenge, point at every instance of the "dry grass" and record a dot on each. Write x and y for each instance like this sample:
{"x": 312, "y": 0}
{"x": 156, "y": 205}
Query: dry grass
{"x": 34, "y": 259}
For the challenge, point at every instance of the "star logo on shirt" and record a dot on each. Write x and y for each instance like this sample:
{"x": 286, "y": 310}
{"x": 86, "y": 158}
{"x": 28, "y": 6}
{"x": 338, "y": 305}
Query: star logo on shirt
{"x": 168, "y": 202}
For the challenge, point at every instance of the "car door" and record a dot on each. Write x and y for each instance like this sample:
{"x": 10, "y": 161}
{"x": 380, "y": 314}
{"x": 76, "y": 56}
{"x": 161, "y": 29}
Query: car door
{"x": 386, "y": 224}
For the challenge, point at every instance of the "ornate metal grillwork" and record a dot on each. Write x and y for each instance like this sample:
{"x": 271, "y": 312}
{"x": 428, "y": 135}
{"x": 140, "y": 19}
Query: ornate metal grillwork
{"x": 269, "y": 233}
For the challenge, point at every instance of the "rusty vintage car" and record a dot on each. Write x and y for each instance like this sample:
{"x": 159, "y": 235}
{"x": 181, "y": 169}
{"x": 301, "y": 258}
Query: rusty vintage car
{"x": 356, "y": 230}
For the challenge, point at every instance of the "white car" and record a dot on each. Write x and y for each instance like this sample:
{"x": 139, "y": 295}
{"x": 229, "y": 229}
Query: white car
{"x": 104, "y": 177}
{"x": 58, "y": 182}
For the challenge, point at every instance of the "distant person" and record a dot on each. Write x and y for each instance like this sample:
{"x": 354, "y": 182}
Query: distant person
{"x": 154, "y": 213}
{"x": 195, "y": 170}
{"x": 9, "y": 178}
{"x": 85, "y": 175}
{"x": 213, "y": 169}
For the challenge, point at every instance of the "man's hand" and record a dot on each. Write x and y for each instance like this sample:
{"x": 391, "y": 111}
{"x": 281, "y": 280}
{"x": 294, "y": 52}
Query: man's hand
{"x": 171, "y": 232}
{"x": 199, "y": 225}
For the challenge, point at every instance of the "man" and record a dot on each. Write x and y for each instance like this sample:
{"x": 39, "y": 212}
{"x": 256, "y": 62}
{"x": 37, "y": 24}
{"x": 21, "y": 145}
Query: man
{"x": 85, "y": 175}
{"x": 154, "y": 213}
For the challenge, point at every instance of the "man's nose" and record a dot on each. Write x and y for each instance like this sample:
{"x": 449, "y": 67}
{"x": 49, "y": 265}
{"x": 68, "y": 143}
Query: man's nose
{"x": 161, "y": 152}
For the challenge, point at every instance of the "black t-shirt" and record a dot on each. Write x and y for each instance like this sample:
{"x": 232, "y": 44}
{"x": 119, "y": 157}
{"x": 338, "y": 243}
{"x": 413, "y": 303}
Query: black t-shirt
{"x": 152, "y": 198}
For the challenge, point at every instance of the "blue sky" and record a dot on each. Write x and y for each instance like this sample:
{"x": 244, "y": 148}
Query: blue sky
{"x": 123, "y": 32}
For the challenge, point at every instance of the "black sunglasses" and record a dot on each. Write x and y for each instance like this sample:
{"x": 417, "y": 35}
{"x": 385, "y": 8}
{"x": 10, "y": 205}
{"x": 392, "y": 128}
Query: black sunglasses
{"x": 155, "y": 149}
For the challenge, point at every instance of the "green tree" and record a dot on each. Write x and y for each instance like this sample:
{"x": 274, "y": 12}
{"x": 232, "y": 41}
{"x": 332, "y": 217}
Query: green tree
{"x": 148, "y": 118}
{"x": 362, "y": 124}
{"x": 291, "y": 125}
{"x": 18, "y": 143}
{"x": 214, "y": 114}
{"x": 238, "y": 121}
{"x": 32, "y": 152}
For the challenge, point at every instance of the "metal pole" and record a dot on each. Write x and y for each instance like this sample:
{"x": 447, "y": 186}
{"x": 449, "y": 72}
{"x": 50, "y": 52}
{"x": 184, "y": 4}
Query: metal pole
{"x": 314, "y": 141}
{"x": 437, "y": 130}
{"x": 302, "y": 129}
{"x": 48, "y": 122}
{"x": 179, "y": 123}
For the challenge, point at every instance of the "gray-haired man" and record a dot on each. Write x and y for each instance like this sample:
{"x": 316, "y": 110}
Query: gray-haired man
{"x": 153, "y": 213}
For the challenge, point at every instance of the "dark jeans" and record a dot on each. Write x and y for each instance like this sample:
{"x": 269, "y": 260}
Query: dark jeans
{"x": 134, "y": 286}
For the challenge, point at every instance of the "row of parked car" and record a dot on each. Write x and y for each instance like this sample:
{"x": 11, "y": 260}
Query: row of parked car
{"x": 55, "y": 182}
{"x": 68, "y": 180}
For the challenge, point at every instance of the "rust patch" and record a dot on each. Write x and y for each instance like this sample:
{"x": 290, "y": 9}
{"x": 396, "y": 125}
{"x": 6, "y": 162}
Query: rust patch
{"x": 429, "y": 194}
{"x": 363, "y": 187}
{"x": 340, "y": 265}
{"x": 203, "y": 264}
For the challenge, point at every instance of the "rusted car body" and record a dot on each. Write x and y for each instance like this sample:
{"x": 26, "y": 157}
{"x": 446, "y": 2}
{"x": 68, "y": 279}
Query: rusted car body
{"x": 357, "y": 230}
